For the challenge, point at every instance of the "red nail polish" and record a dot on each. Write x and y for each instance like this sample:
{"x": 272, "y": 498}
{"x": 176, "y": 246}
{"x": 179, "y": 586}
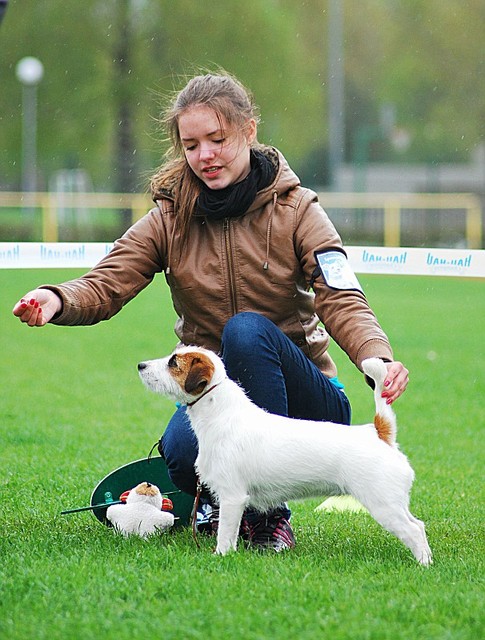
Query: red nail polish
{"x": 23, "y": 305}
{"x": 32, "y": 301}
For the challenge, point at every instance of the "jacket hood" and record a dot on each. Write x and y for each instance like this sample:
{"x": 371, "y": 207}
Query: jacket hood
{"x": 285, "y": 179}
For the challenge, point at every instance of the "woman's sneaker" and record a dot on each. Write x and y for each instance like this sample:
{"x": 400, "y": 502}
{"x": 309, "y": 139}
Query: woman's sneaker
{"x": 208, "y": 522}
{"x": 271, "y": 531}
{"x": 208, "y": 519}
{"x": 268, "y": 531}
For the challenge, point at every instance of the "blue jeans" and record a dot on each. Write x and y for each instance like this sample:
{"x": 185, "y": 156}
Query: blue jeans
{"x": 276, "y": 375}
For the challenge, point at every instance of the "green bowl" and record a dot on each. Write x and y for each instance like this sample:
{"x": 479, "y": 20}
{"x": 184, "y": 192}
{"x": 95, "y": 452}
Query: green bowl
{"x": 125, "y": 478}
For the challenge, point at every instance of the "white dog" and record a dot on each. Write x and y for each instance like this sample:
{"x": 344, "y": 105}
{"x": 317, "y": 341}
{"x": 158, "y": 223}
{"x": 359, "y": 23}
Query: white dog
{"x": 248, "y": 457}
{"x": 142, "y": 514}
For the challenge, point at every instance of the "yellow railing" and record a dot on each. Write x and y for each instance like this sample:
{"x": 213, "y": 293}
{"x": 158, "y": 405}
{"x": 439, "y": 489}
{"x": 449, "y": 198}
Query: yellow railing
{"x": 49, "y": 203}
{"x": 393, "y": 205}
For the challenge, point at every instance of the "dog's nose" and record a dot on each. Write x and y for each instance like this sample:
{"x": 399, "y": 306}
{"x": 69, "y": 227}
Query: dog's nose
{"x": 142, "y": 365}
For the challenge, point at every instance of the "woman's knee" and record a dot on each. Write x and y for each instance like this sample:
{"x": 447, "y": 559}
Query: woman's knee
{"x": 243, "y": 331}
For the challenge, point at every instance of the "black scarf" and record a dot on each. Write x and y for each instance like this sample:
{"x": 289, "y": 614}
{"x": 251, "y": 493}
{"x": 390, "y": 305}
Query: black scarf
{"x": 234, "y": 200}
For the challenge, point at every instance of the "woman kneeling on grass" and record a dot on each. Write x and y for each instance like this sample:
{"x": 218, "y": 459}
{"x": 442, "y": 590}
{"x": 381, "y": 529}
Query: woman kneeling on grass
{"x": 241, "y": 244}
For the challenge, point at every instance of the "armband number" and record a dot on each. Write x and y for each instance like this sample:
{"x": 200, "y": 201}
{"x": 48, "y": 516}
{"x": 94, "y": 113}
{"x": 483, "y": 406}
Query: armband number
{"x": 336, "y": 270}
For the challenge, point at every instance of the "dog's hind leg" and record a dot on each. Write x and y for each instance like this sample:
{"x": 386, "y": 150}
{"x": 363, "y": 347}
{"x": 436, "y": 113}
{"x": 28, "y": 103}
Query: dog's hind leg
{"x": 230, "y": 515}
{"x": 398, "y": 520}
{"x": 421, "y": 526}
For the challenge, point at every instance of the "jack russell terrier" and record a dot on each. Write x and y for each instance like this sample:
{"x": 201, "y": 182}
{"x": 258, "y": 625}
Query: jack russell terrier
{"x": 251, "y": 458}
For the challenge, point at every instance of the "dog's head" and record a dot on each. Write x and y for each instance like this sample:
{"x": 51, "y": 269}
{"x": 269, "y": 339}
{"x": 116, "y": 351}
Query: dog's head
{"x": 184, "y": 375}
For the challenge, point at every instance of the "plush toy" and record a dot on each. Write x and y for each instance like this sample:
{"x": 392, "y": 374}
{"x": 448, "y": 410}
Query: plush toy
{"x": 142, "y": 513}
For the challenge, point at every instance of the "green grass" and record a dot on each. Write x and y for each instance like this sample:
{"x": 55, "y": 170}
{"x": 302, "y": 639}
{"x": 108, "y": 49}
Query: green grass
{"x": 73, "y": 409}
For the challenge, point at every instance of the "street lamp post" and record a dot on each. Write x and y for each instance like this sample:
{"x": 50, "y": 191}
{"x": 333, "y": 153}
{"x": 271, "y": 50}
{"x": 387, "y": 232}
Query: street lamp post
{"x": 29, "y": 72}
{"x": 336, "y": 90}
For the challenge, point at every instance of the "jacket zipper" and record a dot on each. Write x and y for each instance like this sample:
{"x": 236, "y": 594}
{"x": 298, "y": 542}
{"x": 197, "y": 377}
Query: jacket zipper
{"x": 230, "y": 263}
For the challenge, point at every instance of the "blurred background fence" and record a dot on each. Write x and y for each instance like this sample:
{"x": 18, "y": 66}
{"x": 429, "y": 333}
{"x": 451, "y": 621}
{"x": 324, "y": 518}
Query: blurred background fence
{"x": 379, "y": 219}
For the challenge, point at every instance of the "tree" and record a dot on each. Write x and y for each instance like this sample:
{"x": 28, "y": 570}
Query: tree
{"x": 422, "y": 56}
{"x": 425, "y": 57}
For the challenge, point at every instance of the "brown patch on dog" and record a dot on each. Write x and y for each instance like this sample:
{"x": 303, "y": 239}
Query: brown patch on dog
{"x": 192, "y": 371}
{"x": 146, "y": 489}
{"x": 383, "y": 428}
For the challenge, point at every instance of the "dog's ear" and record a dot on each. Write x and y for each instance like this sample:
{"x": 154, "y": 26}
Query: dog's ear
{"x": 201, "y": 371}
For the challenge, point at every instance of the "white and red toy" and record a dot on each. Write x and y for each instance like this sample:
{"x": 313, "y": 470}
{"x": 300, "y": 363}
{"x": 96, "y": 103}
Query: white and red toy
{"x": 144, "y": 512}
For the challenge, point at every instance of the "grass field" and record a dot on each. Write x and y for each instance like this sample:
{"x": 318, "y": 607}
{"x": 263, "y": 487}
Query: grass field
{"x": 73, "y": 409}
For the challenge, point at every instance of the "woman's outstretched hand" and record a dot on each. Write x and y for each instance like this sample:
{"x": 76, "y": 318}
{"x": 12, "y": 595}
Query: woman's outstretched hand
{"x": 37, "y": 307}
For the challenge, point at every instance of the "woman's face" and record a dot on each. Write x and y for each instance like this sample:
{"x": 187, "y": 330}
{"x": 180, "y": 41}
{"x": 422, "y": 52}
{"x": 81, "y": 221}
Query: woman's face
{"x": 217, "y": 153}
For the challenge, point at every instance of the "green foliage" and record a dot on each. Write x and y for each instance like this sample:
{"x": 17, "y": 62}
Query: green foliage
{"x": 431, "y": 73}
{"x": 78, "y": 121}
{"x": 73, "y": 409}
{"x": 424, "y": 57}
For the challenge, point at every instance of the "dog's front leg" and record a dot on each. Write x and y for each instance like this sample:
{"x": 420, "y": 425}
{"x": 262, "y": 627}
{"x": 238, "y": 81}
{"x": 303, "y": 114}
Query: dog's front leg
{"x": 230, "y": 514}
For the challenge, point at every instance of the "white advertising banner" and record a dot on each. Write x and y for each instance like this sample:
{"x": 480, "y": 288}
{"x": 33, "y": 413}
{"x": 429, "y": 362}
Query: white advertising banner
{"x": 418, "y": 261}
{"x": 46, "y": 255}
{"x": 379, "y": 260}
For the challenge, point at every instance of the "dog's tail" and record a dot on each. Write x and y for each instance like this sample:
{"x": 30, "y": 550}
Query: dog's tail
{"x": 385, "y": 419}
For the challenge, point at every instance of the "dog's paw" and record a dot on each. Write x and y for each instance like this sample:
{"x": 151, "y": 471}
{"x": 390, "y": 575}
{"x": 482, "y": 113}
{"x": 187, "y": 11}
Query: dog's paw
{"x": 426, "y": 558}
{"x": 223, "y": 549}
{"x": 222, "y": 552}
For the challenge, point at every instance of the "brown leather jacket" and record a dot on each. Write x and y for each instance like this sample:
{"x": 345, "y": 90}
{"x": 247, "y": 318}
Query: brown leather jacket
{"x": 262, "y": 261}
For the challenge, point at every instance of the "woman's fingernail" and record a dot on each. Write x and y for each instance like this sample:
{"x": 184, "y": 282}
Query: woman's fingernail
{"x": 32, "y": 301}
{"x": 23, "y": 305}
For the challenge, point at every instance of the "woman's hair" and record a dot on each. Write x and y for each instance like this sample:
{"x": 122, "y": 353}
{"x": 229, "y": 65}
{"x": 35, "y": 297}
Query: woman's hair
{"x": 222, "y": 93}
{"x": 230, "y": 100}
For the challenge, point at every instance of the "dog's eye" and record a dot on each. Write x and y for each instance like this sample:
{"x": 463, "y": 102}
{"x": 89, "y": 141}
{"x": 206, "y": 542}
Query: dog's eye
{"x": 172, "y": 363}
